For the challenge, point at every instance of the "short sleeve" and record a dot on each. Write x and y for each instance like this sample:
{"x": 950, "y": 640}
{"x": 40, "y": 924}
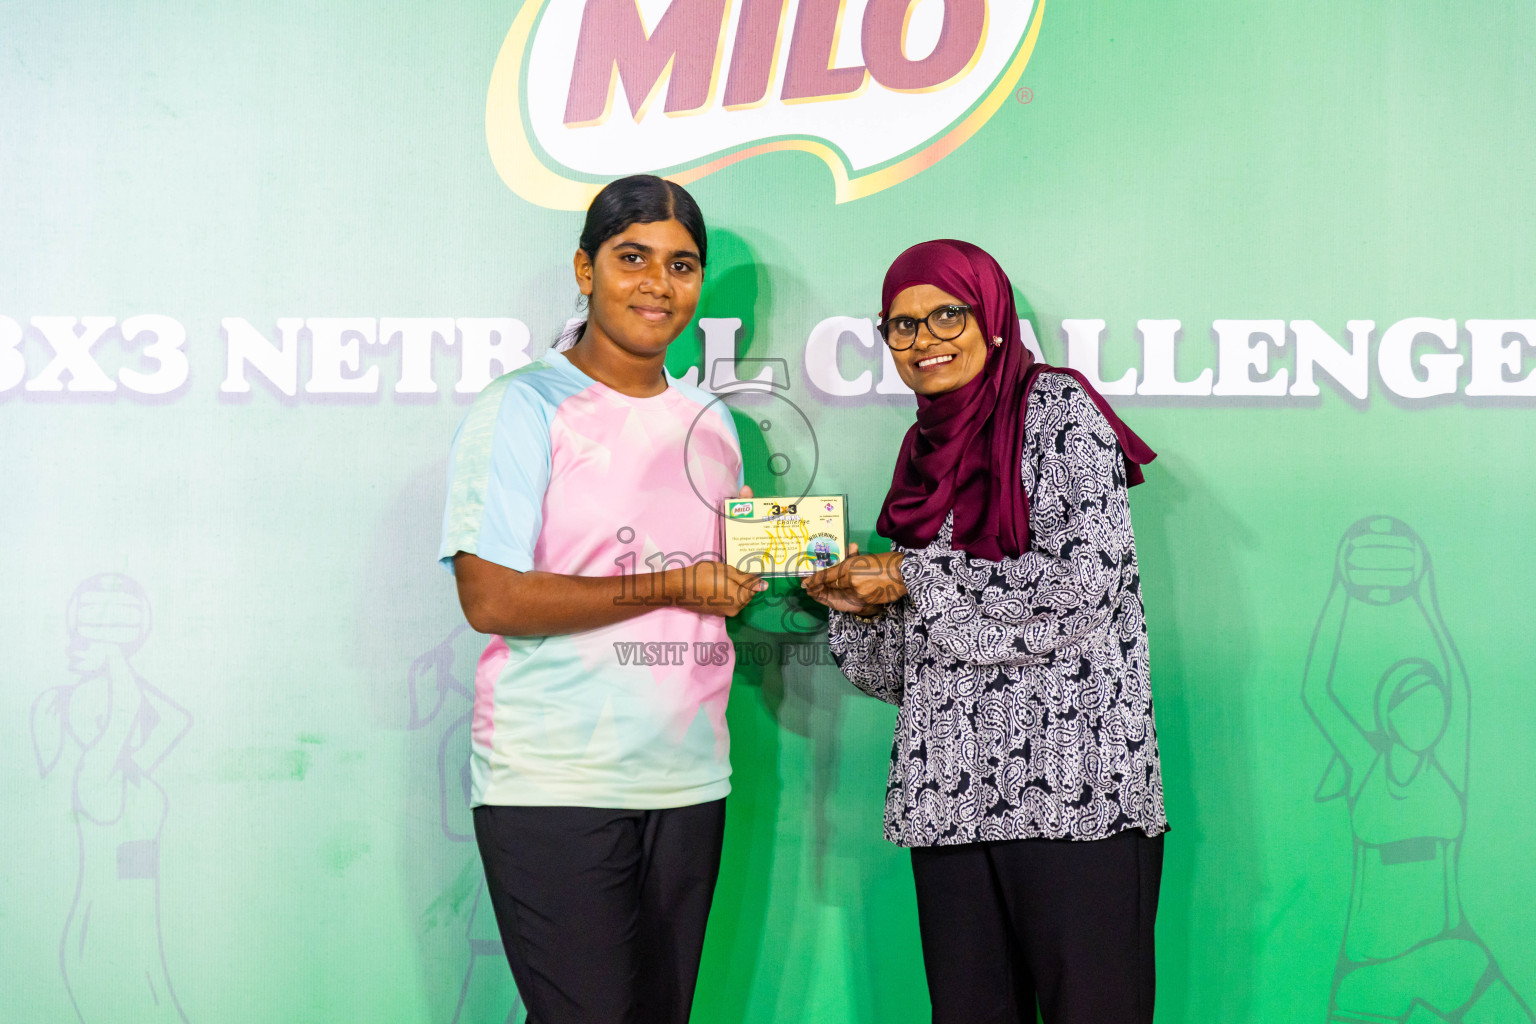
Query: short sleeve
{"x": 498, "y": 472}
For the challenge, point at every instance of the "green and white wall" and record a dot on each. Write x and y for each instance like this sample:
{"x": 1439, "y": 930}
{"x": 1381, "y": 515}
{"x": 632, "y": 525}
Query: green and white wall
{"x": 255, "y": 260}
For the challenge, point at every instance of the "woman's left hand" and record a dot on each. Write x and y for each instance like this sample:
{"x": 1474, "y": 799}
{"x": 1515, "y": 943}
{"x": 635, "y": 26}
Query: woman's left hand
{"x": 859, "y": 584}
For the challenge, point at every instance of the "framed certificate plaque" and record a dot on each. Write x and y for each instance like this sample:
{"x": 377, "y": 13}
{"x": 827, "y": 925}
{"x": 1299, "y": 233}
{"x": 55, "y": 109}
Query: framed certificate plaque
{"x": 784, "y": 536}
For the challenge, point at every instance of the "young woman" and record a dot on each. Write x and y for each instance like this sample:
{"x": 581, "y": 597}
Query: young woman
{"x": 580, "y": 525}
{"x": 1006, "y": 623}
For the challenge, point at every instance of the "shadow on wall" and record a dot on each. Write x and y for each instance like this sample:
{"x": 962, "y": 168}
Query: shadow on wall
{"x": 813, "y": 918}
{"x": 113, "y": 730}
{"x": 1199, "y": 617}
{"x": 829, "y": 930}
{"x": 1386, "y": 686}
{"x": 737, "y": 954}
{"x": 735, "y": 287}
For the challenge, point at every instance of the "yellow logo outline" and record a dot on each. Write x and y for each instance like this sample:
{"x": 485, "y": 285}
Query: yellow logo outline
{"x": 524, "y": 173}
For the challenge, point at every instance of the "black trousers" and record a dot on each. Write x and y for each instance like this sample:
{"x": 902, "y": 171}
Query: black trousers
{"x": 602, "y": 912}
{"x": 1065, "y": 923}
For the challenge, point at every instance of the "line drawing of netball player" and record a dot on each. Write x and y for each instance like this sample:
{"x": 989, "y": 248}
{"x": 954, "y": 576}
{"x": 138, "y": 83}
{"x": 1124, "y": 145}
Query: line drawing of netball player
{"x": 112, "y": 951}
{"x": 487, "y": 984}
{"x": 1386, "y": 686}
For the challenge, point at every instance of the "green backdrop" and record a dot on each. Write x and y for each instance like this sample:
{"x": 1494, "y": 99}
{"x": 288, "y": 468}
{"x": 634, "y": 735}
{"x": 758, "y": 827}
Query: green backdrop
{"x": 234, "y": 686}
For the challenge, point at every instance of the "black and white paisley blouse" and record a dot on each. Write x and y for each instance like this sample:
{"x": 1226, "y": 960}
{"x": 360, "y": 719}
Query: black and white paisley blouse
{"x": 1025, "y": 695}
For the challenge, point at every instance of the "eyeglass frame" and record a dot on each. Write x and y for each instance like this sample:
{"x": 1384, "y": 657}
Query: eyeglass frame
{"x": 966, "y": 309}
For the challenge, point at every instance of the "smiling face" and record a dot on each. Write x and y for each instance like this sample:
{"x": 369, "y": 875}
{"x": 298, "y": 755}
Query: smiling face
{"x": 931, "y": 366}
{"x": 643, "y": 286}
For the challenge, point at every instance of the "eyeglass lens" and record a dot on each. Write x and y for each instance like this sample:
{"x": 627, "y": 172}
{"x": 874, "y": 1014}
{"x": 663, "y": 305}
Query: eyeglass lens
{"x": 946, "y": 324}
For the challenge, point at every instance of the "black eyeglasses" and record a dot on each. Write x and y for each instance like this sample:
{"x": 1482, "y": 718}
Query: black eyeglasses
{"x": 945, "y": 323}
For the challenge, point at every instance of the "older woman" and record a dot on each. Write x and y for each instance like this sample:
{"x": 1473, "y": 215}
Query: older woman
{"x": 1006, "y": 624}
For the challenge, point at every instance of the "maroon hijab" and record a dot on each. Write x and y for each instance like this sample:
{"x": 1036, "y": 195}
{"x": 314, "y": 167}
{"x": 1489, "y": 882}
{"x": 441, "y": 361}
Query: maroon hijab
{"x": 965, "y": 449}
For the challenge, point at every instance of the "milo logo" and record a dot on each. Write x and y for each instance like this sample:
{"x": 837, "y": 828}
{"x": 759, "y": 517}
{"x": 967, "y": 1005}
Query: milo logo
{"x": 739, "y": 510}
{"x": 587, "y": 90}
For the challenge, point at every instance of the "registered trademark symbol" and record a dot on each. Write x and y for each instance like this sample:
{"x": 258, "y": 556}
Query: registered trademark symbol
{"x": 1025, "y": 95}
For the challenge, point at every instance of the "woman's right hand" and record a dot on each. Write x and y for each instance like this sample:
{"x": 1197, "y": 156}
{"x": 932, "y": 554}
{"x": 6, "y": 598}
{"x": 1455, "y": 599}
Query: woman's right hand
{"x": 842, "y": 601}
{"x": 859, "y": 584}
{"x": 713, "y": 588}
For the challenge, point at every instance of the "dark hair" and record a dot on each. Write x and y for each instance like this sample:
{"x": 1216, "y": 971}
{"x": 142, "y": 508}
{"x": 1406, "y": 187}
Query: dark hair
{"x": 641, "y": 199}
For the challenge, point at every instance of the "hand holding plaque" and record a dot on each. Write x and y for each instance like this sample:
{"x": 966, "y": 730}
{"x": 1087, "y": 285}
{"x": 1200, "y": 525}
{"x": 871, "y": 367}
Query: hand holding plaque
{"x": 784, "y": 536}
{"x": 861, "y": 584}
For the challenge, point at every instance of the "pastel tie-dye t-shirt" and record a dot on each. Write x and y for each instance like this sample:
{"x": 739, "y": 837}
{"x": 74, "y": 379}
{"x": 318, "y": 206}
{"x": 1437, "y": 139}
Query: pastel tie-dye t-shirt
{"x": 556, "y": 472}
